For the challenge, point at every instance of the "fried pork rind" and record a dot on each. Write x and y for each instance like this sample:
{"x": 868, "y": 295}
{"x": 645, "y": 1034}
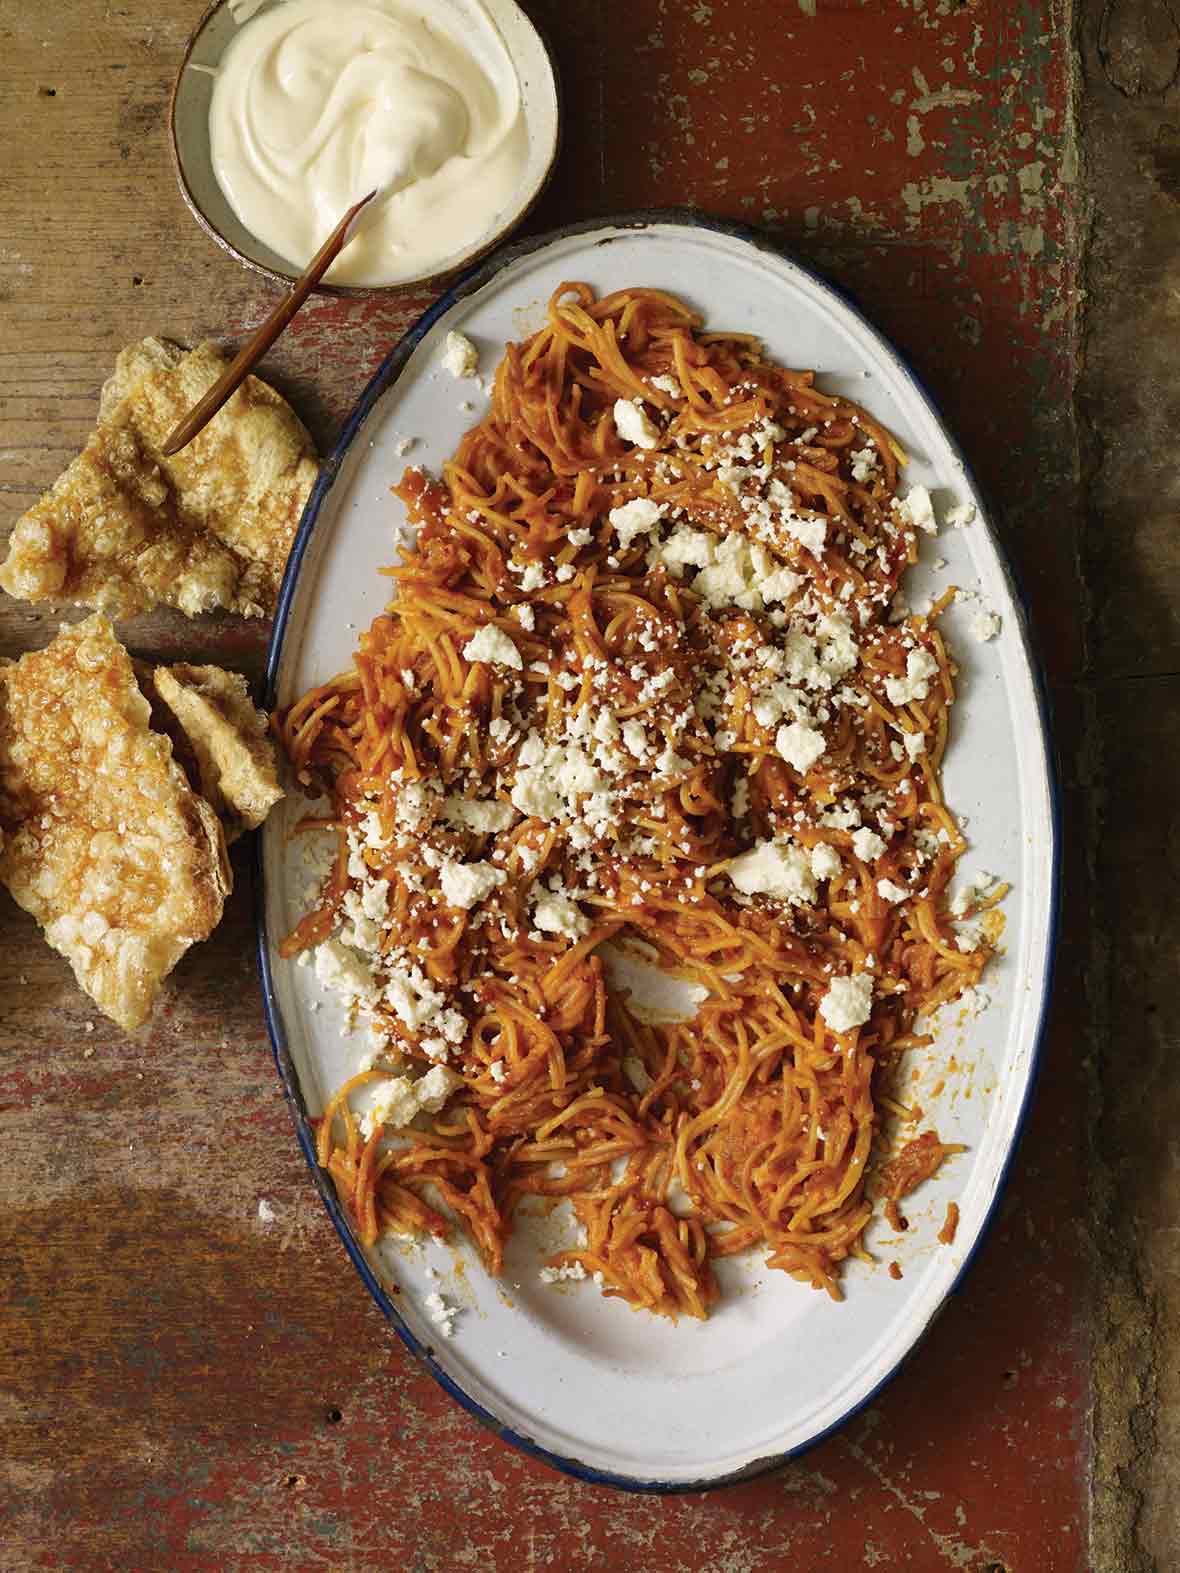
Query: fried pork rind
{"x": 233, "y": 762}
{"x": 122, "y": 864}
{"x": 125, "y": 529}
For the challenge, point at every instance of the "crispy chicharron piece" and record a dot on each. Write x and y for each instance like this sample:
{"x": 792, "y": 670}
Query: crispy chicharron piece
{"x": 221, "y": 738}
{"x": 125, "y": 529}
{"x": 122, "y": 864}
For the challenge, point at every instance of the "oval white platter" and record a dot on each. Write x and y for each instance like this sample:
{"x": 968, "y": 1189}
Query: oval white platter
{"x": 597, "y": 1389}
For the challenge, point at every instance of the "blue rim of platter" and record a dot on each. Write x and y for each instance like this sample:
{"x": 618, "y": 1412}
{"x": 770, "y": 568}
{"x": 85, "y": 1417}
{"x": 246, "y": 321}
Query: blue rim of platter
{"x": 386, "y": 374}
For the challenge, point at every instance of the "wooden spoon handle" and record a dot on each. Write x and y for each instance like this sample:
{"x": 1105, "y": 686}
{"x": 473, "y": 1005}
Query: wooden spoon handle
{"x": 248, "y": 357}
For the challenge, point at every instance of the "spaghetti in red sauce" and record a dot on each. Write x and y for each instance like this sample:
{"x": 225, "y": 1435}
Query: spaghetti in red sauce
{"x": 640, "y": 685}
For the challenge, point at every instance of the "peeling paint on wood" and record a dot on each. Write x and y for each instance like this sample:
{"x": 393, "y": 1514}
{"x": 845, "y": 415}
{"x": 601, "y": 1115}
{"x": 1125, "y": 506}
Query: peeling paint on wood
{"x": 1130, "y": 556}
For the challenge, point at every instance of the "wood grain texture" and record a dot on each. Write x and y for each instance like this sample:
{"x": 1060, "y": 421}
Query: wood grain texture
{"x": 185, "y": 1386}
{"x": 1131, "y": 558}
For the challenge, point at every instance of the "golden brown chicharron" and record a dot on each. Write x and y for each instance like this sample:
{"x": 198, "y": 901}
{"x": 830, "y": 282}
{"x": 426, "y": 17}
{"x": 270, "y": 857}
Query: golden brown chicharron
{"x": 106, "y": 844}
{"x": 124, "y": 528}
{"x": 754, "y": 1124}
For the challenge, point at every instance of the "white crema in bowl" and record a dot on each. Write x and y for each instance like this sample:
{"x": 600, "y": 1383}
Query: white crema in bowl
{"x": 318, "y": 102}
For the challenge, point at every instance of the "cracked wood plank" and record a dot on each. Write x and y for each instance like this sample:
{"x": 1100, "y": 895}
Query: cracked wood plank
{"x": 1131, "y": 562}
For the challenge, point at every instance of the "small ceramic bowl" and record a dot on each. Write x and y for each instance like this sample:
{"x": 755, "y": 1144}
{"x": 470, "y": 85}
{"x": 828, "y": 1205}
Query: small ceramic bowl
{"x": 192, "y": 155}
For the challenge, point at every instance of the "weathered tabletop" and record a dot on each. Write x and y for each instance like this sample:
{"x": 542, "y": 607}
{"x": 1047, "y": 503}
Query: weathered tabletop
{"x": 186, "y": 1386}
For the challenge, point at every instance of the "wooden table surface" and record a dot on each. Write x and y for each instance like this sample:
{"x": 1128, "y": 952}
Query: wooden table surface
{"x": 186, "y": 1386}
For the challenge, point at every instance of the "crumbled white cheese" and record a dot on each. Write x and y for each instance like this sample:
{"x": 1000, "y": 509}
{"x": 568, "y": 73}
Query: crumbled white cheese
{"x": 413, "y": 803}
{"x": 777, "y": 512}
{"x": 825, "y": 861}
{"x": 635, "y": 738}
{"x": 656, "y": 685}
{"x": 867, "y": 845}
{"x": 633, "y": 424}
{"x": 974, "y": 1000}
{"x": 637, "y": 517}
{"x": 467, "y": 884}
{"x": 460, "y": 356}
{"x": 888, "y": 891}
{"x": 669, "y": 385}
{"x": 550, "y": 780}
{"x": 535, "y": 792}
{"x": 978, "y": 885}
{"x": 733, "y": 570}
{"x": 418, "y": 1004}
{"x": 441, "y": 1314}
{"x": 606, "y": 727}
{"x": 918, "y": 509}
{"x": 482, "y": 816}
{"x": 497, "y": 1072}
{"x": 397, "y": 1101}
{"x": 344, "y": 971}
{"x": 371, "y": 831}
{"x": 920, "y": 666}
{"x": 557, "y": 914}
{"x": 375, "y": 900}
{"x": 927, "y": 841}
{"x": 525, "y": 616}
{"x": 848, "y": 1002}
{"x": 433, "y": 1089}
{"x": 774, "y": 868}
{"x": 841, "y": 817}
{"x": 985, "y": 625}
{"x": 395, "y": 1104}
{"x": 572, "y": 1272}
{"x": 810, "y": 533}
{"x": 961, "y": 514}
{"x": 799, "y": 745}
{"x": 670, "y": 763}
{"x": 492, "y": 644}
{"x": 779, "y": 585}
{"x": 838, "y": 650}
{"x": 359, "y": 931}
{"x": 729, "y": 577}
{"x": 686, "y": 548}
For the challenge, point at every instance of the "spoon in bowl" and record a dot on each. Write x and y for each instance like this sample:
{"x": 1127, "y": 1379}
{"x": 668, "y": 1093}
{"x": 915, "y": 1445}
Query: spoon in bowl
{"x": 248, "y": 357}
